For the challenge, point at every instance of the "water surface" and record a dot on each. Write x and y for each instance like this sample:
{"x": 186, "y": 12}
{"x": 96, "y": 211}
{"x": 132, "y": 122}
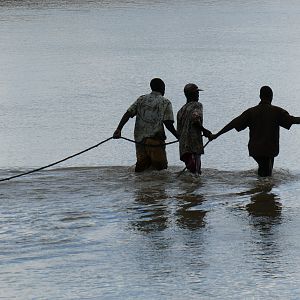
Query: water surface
{"x": 92, "y": 229}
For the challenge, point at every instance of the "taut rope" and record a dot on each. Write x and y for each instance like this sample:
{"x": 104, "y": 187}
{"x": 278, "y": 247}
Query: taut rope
{"x": 81, "y": 152}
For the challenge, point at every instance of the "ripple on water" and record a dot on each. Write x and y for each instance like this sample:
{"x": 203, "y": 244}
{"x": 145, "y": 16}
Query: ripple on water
{"x": 151, "y": 229}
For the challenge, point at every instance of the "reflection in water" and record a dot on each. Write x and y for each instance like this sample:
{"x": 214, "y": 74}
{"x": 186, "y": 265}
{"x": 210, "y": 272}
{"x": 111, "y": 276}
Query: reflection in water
{"x": 265, "y": 216}
{"x": 187, "y": 217}
{"x": 155, "y": 210}
{"x": 152, "y": 214}
{"x": 264, "y": 204}
{"x": 158, "y": 211}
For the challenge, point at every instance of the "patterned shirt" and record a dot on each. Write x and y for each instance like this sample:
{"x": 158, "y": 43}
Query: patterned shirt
{"x": 151, "y": 111}
{"x": 189, "y": 117}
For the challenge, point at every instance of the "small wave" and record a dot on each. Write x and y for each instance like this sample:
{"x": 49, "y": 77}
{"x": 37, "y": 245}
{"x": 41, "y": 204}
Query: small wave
{"x": 83, "y": 177}
{"x": 74, "y": 216}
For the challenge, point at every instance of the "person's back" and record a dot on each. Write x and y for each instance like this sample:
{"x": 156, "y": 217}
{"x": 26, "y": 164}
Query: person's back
{"x": 190, "y": 129}
{"x": 189, "y": 117}
{"x": 264, "y": 122}
{"x": 151, "y": 111}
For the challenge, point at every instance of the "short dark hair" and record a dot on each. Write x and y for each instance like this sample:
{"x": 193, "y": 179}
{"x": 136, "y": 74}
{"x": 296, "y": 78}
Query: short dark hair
{"x": 157, "y": 85}
{"x": 266, "y": 93}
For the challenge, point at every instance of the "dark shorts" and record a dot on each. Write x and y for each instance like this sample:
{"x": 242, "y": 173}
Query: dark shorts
{"x": 265, "y": 165}
{"x": 147, "y": 157}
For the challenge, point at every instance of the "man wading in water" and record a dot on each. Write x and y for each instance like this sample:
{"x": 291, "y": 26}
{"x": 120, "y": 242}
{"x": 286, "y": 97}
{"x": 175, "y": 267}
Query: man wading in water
{"x": 152, "y": 112}
{"x": 264, "y": 121}
{"x": 190, "y": 129}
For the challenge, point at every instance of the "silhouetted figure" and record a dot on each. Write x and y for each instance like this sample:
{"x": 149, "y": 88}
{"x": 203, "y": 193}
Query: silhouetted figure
{"x": 190, "y": 129}
{"x": 152, "y": 112}
{"x": 264, "y": 122}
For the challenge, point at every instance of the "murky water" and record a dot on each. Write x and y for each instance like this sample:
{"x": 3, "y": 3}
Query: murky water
{"x": 107, "y": 233}
{"x": 92, "y": 229}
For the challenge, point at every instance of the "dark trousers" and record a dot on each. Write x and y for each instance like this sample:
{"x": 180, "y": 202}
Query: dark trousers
{"x": 151, "y": 156}
{"x": 265, "y": 165}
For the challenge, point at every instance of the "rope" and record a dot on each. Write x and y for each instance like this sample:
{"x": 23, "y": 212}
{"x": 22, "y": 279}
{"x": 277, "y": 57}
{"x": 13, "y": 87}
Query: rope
{"x": 88, "y": 149}
{"x": 57, "y": 162}
{"x": 147, "y": 145}
{"x": 181, "y": 172}
{"x": 81, "y": 152}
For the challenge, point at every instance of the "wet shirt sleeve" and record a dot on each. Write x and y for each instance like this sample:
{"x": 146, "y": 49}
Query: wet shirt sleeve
{"x": 133, "y": 108}
{"x": 168, "y": 115}
{"x": 241, "y": 122}
{"x": 285, "y": 119}
{"x": 197, "y": 114}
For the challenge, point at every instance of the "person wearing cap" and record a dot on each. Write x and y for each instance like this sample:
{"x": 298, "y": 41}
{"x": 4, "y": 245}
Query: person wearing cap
{"x": 264, "y": 121}
{"x": 190, "y": 129}
{"x": 152, "y": 111}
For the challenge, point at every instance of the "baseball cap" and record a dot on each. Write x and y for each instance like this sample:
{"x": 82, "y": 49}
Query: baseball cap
{"x": 191, "y": 87}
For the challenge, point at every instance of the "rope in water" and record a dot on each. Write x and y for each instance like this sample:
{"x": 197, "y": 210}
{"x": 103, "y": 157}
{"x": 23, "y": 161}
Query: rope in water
{"x": 76, "y": 154}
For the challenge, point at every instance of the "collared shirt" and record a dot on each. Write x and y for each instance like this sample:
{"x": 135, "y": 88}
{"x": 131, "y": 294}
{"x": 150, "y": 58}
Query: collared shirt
{"x": 189, "y": 117}
{"x": 151, "y": 111}
{"x": 264, "y": 122}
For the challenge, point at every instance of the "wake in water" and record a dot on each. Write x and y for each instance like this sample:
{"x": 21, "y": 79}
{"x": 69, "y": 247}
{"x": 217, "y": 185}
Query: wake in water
{"x": 216, "y": 187}
{"x": 173, "y": 173}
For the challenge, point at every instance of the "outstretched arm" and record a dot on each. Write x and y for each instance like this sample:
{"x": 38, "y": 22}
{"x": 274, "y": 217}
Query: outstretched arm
{"x": 124, "y": 120}
{"x": 207, "y": 133}
{"x": 170, "y": 126}
{"x": 227, "y": 128}
{"x": 296, "y": 120}
{"x": 197, "y": 120}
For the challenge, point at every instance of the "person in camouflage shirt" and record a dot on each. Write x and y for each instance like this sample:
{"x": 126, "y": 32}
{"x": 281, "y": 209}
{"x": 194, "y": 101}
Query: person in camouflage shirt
{"x": 190, "y": 129}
